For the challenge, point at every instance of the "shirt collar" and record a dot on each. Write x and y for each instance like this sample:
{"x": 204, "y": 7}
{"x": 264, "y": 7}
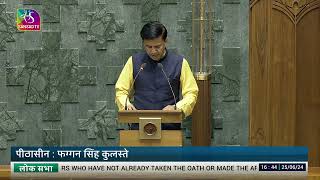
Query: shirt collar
{"x": 163, "y": 58}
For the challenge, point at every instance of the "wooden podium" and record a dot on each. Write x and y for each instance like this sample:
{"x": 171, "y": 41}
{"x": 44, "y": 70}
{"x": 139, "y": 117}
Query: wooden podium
{"x": 150, "y": 133}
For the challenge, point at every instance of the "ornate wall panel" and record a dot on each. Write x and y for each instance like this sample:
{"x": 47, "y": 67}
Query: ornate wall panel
{"x": 308, "y": 82}
{"x": 290, "y": 114}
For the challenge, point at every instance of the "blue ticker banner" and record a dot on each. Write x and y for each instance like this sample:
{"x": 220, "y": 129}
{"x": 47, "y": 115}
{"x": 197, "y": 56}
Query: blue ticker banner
{"x": 160, "y": 154}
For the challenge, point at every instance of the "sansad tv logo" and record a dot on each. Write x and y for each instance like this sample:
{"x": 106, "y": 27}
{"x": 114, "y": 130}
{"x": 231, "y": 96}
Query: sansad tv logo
{"x": 28, "y": 20}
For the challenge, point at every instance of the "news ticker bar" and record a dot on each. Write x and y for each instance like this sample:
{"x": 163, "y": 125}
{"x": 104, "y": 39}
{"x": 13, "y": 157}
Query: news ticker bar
{"x": 157, "y": 169}
{"x": 232, "y": 154}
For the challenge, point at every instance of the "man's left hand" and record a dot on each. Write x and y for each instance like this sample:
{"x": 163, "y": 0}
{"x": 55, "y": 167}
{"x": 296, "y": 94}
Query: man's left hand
{"x": 168, "y": 108}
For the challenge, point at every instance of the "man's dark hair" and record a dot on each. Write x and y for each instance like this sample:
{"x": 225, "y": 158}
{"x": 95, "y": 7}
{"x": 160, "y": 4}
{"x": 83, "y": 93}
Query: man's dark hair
{"x": 153, "y": 30}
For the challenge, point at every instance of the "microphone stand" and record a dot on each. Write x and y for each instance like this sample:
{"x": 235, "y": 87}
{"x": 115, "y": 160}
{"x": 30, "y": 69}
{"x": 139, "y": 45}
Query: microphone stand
{"x": 174, "y": 96}
{"x": 134, "y": 80}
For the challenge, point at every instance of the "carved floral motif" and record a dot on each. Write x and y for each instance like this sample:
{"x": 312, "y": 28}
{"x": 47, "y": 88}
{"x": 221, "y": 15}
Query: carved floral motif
{"x": 295, "y": 6}
{"x": 295, "y": 9}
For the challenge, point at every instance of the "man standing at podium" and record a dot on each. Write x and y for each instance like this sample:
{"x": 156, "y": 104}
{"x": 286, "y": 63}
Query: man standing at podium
{"x": 158, "y": 78}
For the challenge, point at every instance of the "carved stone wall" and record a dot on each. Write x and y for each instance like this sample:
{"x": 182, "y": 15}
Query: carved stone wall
{"x": 57, "y": 85}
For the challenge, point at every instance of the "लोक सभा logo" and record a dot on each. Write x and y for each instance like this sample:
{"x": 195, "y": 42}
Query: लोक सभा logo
{"x": 28, "y": 20}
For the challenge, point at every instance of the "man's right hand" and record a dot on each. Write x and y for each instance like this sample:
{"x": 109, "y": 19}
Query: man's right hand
{"x": 130, "y": 107}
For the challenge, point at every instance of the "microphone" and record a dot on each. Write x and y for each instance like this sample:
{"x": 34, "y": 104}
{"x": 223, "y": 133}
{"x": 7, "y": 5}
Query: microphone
{"x": 134, "y": 80}
{"x": 174, "y": 96}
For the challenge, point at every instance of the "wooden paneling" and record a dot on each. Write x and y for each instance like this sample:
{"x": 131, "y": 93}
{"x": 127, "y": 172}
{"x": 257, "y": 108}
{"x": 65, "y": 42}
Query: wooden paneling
{"x": 282, "y": 79}
{"x": 308, "y": 84}
{"x": 314, "y": 173}
{"x": 260, "y": 131}
{"x": 284, "y": 74}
